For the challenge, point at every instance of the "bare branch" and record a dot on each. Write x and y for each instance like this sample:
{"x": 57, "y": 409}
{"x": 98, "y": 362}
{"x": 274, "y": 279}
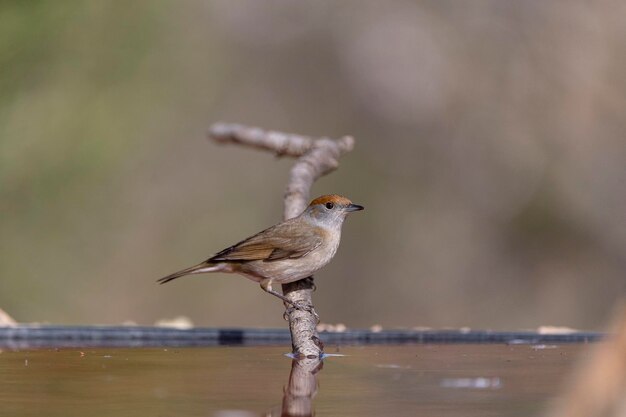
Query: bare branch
{"x": 280, "y": 143}
{"x": 316, "y": 157}
{"x": 322, "y": 159}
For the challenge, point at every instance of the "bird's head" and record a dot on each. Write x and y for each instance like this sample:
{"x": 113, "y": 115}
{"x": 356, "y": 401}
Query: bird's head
{"x": 330, "y": 210}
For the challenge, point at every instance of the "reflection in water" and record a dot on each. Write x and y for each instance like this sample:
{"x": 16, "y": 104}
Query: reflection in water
{"x": 475, "y": 383}
{"x": 301, "y": 388}
{"x": 297, "y": 394}
{"x": 407, "y": 380}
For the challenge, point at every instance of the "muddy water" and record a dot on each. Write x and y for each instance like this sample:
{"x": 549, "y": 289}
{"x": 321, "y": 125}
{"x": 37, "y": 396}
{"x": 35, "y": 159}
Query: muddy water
{"x": 407, "y": 380}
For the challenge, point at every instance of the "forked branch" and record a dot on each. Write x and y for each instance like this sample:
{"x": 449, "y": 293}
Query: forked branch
{"x": 316, "y": 157}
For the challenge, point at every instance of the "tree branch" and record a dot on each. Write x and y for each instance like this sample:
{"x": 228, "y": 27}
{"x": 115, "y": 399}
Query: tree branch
{"x": 316, "y": 157}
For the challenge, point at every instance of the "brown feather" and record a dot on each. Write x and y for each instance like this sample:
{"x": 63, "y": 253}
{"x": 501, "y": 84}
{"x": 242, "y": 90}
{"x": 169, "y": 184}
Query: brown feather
{"x": 187, "y": 271}
{"x": 285, "y": 240}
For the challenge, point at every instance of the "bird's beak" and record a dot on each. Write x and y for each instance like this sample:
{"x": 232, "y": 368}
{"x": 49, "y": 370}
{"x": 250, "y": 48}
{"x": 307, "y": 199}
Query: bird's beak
{"x": 354, "y": 207}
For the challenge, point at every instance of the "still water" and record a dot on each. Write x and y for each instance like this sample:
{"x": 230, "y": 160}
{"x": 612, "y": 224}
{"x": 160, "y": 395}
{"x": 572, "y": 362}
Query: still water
{"x": 407, "y": 380}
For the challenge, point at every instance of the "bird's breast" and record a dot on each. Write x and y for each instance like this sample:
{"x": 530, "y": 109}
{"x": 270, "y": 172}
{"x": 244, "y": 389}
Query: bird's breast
{"x": 327, "y": 250}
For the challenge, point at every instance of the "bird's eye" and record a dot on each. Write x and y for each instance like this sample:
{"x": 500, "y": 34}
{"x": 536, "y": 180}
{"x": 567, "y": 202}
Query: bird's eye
{"x": 329, "y": 205}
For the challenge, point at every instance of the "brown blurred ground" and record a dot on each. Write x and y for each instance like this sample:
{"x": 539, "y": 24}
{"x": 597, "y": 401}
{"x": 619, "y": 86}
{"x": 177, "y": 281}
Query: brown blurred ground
{"x": 491, "y": 157}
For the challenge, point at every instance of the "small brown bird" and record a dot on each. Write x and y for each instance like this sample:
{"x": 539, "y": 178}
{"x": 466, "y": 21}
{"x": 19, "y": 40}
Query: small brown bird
{"x": 286, "y": 252}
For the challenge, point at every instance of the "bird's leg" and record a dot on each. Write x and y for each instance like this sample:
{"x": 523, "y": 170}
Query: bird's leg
{"x": 266, "y": 285}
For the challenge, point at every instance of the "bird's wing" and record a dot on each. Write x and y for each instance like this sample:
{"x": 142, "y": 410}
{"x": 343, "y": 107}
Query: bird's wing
{"x": 285, "y": 240}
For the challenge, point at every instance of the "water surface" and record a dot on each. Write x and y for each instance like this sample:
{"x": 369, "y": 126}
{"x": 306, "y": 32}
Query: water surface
{"x": 406, "y": 380}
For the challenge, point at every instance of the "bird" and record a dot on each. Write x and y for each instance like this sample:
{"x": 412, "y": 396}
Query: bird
{"x": 286, "y": 252}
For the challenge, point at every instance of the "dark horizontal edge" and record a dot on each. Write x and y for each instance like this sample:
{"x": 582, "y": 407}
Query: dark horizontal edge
{"x": 28, "y": 336}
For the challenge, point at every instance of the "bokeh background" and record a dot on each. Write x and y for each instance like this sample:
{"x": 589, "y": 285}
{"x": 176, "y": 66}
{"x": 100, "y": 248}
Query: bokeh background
{"x": 491, "y": 157}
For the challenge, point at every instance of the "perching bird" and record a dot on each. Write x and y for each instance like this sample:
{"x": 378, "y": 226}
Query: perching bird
{"x": 286, "y": 252}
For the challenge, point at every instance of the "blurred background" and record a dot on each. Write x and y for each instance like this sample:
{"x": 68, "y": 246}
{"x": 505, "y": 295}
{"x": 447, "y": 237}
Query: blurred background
{"x": 490, "y": 157}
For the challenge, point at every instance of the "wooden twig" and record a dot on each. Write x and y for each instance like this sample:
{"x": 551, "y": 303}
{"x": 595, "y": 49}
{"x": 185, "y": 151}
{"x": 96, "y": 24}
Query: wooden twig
{"x": 316, "y": 157}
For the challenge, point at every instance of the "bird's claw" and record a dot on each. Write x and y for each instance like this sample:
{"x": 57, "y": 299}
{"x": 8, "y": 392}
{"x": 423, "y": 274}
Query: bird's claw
{"x": 302, "y": 306}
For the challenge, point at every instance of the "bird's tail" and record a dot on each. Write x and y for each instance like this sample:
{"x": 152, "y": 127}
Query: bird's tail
{"x": 196, "y": 269}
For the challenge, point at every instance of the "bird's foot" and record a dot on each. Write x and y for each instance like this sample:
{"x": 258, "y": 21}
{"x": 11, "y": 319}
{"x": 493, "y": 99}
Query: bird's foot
{"x": 302, "y": 306}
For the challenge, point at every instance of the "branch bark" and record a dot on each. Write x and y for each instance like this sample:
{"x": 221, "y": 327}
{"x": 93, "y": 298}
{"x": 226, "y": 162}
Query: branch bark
{"x": 316, "y": 157}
